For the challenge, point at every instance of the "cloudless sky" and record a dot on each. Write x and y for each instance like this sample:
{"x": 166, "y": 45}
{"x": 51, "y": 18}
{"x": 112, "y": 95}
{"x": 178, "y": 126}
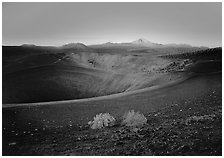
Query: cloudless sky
{"x": 198, "y": 24}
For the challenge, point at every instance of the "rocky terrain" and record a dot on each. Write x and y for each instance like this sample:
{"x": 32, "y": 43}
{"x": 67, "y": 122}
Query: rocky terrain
{"x": 192, "y": 127}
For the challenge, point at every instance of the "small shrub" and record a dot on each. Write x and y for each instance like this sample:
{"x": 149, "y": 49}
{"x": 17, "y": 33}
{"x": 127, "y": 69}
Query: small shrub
{"x": 134, "y": 119}
{"x": 102, "y": 120}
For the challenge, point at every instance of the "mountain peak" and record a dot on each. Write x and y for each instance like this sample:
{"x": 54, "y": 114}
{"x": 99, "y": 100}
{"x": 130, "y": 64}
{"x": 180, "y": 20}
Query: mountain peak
{"x": 75, "y": 45}
{"x": 28, "y": 45}
{"x": 146, "y": 43}
{"x": 108, "y": 43}
{"x": 141, "y": 41}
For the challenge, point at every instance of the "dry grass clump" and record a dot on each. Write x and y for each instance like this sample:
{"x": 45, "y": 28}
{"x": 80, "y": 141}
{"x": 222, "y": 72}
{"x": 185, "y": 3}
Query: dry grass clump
{"x": 130, "y": 119}
{"x": 134, "y": 119}
{"x": 102, "y": 120}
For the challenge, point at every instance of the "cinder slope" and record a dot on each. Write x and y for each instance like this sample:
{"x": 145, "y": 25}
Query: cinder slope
{"x": 75, "y": 72}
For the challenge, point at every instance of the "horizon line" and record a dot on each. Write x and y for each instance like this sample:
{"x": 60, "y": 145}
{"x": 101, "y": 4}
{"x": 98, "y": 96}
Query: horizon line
{"x": 57, "y": 45}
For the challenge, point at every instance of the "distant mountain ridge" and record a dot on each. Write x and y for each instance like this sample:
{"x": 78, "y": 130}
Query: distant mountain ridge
{"x": 177, "y": 45}
{"x": 141, "y": 42}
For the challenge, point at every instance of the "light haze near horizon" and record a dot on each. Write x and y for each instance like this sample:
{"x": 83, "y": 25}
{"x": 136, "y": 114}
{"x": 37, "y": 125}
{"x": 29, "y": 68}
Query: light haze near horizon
{"x": 197, "y": 24}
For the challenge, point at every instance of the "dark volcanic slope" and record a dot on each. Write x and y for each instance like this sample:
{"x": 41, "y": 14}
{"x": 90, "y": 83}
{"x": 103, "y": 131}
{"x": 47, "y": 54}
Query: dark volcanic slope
{"x": 75, "y": 71}
{"x": 208, "y": 54}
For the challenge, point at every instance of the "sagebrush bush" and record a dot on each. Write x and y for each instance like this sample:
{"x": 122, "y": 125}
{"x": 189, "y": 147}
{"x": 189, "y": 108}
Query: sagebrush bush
{"x": 134, "y": 119}
{"x": 102, "y": 120}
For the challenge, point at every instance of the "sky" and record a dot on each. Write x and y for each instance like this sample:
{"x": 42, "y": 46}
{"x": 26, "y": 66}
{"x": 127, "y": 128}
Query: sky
{"x": 41, "y": 23}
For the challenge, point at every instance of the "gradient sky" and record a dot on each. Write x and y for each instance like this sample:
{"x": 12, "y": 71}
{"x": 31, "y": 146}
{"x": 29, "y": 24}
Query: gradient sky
{"x": 198, "y": 24}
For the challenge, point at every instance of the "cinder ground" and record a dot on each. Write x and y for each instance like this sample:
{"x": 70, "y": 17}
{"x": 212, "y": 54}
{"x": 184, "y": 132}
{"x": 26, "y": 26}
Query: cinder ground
{"x": 184, "y": 118}
{"x": 61, "y": 129}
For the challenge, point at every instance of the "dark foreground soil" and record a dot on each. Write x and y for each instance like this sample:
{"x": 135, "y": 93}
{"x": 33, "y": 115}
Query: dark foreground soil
{"x": 189, "y": 127}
